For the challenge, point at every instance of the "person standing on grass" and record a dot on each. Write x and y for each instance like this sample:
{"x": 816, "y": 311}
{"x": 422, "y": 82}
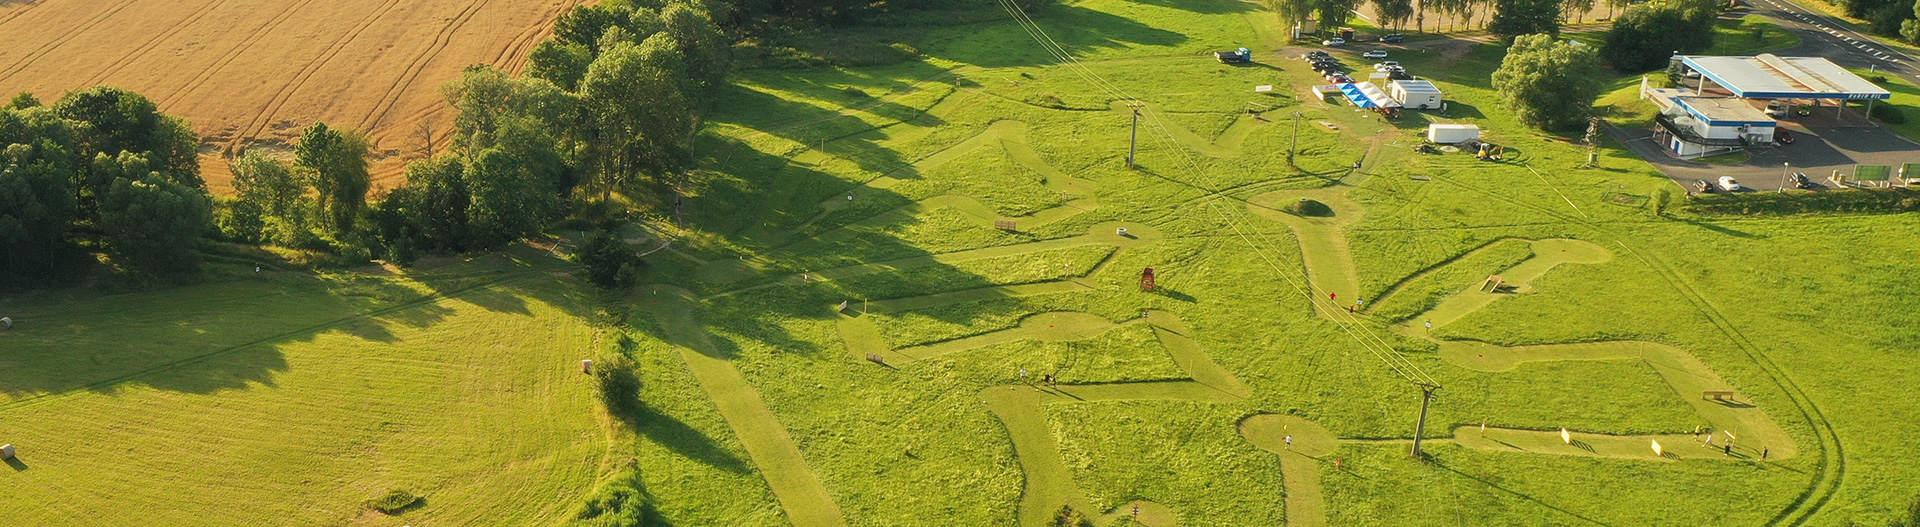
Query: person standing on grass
{"x": 1289, "y": 440}
{"x": 1429, "y": 326}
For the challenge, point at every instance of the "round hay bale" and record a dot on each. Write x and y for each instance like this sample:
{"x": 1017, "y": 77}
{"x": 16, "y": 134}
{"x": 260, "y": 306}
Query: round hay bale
{"x": 6, "y": 323}
{"x": 1308, "y": 207}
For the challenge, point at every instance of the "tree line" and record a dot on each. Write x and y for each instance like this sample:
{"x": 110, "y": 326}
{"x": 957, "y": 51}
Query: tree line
{"x": 603, "y": 121}
{"x": 1498, "y": 16}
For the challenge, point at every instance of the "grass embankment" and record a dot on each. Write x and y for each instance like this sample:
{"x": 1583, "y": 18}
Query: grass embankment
{"x": 295, "y": 399}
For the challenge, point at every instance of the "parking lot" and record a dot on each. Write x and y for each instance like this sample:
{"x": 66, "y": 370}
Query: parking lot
{"x": 1821, "y": 147}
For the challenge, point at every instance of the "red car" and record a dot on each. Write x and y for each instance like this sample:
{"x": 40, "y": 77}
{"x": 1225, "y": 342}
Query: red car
{"x": 1782, "y": 136}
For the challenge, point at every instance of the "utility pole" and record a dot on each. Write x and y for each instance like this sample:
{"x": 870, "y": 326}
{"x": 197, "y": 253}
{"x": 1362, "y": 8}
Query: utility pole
{"x": 1296, "y": 138}
{"x": 1421, "y": 428}
{"x": 1783, "y": 176}
{"x": 1133, "y": 142}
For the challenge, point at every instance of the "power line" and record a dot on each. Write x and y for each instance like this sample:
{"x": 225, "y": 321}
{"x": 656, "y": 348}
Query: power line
{"x": 1361, "y": 334}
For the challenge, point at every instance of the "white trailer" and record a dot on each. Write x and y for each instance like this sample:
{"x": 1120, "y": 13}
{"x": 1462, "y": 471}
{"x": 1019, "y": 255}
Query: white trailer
{"x": 1419, "y": 95}
{"x": 1447, "y": 134}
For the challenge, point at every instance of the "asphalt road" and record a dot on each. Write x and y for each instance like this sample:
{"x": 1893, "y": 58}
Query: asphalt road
{"x": 1823, "y": 36}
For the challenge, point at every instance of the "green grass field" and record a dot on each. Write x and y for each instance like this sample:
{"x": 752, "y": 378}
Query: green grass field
{"x": 924, "y": 400}
{"x": 289, "y": 399}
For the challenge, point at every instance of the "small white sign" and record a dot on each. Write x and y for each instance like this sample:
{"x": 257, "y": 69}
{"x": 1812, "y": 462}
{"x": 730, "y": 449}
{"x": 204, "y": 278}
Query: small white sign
{"x": 1264, "y": 88}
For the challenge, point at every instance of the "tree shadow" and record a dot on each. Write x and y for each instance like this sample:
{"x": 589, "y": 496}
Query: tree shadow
{"x": 1210, "y": 7}
{"x": 684, "y": 440}
{"x": 1439, "y": 462}
{"x": 228, "y": 335}
{"x": 1076, "y": 29}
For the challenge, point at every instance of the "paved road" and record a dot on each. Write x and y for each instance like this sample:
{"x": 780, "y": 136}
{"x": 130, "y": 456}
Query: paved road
{"x": 1823, "y": 36}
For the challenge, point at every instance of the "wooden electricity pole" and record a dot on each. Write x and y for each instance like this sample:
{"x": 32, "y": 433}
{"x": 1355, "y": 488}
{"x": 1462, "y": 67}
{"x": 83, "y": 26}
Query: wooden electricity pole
{"x": 1420, "y": 429}
{"x": 1133, "y": 143}
{"x": 1296, "y": 138}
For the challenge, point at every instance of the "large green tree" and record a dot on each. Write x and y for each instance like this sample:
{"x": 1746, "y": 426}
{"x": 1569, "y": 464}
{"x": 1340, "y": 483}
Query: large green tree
{"x": 1548, "y": 83}
{"x": 1393, "y": 13}
{"x": 640, "y": 119}
{"x": 270, "y": 201}
{"x": 1512, "y": 18}
{"x": 36, "y": 208}
{"x": 337, "y": 164}
{"x": 1645, "y": 36}
{"x": 153, "y": 226}
{"x": 123, "y": 121}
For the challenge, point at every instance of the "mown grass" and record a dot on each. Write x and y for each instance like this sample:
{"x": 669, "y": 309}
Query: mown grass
{"x": 904, "y": 446}
{"x": 1749, "y": 35}
{"x": 304, "y": 398}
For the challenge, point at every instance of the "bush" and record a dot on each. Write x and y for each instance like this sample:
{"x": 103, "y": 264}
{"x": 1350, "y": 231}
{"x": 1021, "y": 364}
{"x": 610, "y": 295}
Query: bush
{"x": 610, "y": 262}
{"x": 1850, "y": 201}
{"x": 1068, "y": 517}
{"x": 1307, "y": 207}
{"x": 619, "y": 386}
{"x": 855, "y": 92}
{"x": 619, "y": 504}
{"x": 395, "y": 502}
{"x": 1886, "y": 113}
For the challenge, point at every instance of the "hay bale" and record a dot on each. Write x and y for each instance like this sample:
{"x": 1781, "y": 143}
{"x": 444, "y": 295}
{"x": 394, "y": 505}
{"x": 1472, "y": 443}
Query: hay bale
{"x": 6, "y": 451}
{"x": 586, "y": 366}
{"x": 6, "y": 323}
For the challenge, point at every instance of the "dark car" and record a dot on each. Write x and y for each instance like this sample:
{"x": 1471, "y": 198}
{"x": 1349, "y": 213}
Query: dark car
{"x": 1395, "y": 38}
{"x": 1703, "y": 185}
{"x": 1782, "y": 136}
{"x": 1800, "y": 181}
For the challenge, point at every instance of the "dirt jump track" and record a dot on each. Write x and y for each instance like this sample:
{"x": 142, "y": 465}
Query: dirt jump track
{"x": 254, "y": 72}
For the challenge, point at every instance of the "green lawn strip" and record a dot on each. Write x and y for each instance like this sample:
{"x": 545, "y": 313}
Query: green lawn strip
{"x": 1737, "y": 36}
{"x": 1323, "y": 241}
{"x": 1422, "y": 291}
{"x": 1548, "y": 254}
{"x": 774, "y": 453}
{"x": 1302, "y": 446}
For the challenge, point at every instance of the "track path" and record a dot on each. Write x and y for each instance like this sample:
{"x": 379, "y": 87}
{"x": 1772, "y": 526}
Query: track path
{"x": 1682, "y": 371}
{"x": 772, "y": 449}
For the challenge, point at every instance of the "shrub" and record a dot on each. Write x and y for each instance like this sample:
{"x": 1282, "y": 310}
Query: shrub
{"x": 395, "y": 502}
{"x": 619, "y": 386}
{"x": 1886, "y": 113}
{"x": 855, "y": 92}
{"x": 619, "y": 504}
{"x": 1864, "y": 201}
{"x": 610, "y": 262}
{"x": 1307, "y": 207}
{"x": 1068, "y": 517}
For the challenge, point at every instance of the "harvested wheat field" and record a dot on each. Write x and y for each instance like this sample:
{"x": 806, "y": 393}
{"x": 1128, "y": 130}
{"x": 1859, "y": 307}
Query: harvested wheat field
{"x": 254, "y": 72}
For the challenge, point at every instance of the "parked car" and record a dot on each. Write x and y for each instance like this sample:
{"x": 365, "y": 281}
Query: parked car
{"x": 1782, "y": 136}
{"x": 1394, "y": 38}
{"x": 1375, "y": 54}
{"x": 1334, "y": 42}
{"x": 1800, "y": 181}
{"x": 1702, "y": 186}
{"x": 1728, "y": 184}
